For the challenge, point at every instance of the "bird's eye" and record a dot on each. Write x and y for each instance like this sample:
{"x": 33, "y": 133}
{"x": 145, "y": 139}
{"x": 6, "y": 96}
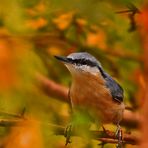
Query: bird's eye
{"x": 119, "y": 98}
{"x": 83, "y": 62}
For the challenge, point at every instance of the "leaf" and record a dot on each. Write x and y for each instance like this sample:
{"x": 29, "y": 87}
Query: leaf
{"x": 26, "y": 134}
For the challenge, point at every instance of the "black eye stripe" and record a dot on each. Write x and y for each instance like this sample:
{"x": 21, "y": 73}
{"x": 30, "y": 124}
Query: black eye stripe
{"x": 88, "y": 63}
{"x": 82, "y": 62}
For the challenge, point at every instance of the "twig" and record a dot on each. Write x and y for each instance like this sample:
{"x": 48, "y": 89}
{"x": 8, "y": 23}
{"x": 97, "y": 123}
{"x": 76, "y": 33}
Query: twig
{"x": 104, "y": 136}
{"x": 20, "y": 115}
{"x": 132, "y": 11}
{"x": 107, "y": 136}
{"x": 53, "y": 89}
{"x": 10, "y": 122}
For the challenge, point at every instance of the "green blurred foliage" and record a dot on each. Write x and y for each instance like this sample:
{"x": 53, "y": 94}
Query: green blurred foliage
{"x": 32, "y": 32}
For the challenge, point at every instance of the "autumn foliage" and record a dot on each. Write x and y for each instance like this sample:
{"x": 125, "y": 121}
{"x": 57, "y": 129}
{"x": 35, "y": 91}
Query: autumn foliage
{"x": 34, "y": 85}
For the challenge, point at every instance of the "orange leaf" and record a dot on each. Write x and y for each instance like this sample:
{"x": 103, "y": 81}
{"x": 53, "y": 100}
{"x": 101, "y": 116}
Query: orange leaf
{"x": 36, "y": 24}
{"x": 63, "y": 21}
{"x": 97, "y": 39}
{"x": 26, "y": 135}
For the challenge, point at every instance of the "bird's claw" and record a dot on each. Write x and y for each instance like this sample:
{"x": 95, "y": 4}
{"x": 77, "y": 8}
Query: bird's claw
{"x": 67, "y": 134}
{"x": 118, "y": 135}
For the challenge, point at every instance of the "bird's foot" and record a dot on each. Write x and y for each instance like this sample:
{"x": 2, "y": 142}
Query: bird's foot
{"x": 119, "y": 136}
{"x": 67, "y": 134}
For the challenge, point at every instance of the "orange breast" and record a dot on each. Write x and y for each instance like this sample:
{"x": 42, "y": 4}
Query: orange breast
{"x": 90, "y": 93}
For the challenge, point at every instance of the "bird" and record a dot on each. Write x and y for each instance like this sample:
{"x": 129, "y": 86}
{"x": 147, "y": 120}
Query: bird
{"x": 93, "y": 90}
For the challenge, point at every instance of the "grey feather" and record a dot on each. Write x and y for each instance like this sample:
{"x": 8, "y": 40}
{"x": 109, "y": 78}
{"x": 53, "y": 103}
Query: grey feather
{"x": 115, "y": 89}
{"x": 84, "y": 58}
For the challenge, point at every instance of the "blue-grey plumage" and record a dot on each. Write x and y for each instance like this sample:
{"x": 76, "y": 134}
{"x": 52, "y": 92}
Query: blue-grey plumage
{"x": 93, "y": 89}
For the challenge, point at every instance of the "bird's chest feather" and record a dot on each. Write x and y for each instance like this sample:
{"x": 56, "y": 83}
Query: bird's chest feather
{"x": 90, "y": 93}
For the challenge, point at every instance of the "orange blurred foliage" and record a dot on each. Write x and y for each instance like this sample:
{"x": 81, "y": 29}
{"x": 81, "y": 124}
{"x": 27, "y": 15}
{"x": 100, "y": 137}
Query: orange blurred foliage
{"x": 138, "y": 77}
{"x": 7, "y": 67}
{"x": 63, "y": 21}
{"x": 41, "y": 7}
{"x": 26, "y": 134}
{"x": 37, "y": 23}
{"x": 97, "y": 39}
{"x": 12, "y": 50}
{"x": 37, "y": 10}
{"x": 81, "y": 22}
{"x": 142, "y": 19}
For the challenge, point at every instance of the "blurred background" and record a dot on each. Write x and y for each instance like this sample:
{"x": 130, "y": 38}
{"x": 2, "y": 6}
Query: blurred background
{"x": 34, "y": 85}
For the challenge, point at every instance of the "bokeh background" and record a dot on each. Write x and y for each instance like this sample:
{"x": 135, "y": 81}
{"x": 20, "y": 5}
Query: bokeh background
{"x": 33, "y": 84}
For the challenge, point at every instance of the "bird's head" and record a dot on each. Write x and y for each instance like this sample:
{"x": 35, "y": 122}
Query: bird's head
{"x": 81, "y": 62}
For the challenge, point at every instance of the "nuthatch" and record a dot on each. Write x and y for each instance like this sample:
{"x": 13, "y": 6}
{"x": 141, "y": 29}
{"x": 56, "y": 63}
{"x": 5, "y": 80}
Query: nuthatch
{"x": 92, "y": 89}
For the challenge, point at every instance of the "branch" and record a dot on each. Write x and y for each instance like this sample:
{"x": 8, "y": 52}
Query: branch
{"x": 104, "y": 136}
{"x": 53, "y": 89}
{"x": 60, "y": 92}
{"x": 131, "y": 119}
{"x": 9, "y": 122}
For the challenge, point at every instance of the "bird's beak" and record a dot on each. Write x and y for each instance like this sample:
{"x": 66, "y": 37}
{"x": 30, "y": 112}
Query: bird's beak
{"x": 62, "y": 59}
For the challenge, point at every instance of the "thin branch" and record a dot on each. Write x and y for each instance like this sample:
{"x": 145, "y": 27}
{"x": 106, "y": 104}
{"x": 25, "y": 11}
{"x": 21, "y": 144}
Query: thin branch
{"x": 104, "y": 136}
{"x": 9, "y": 122}
{"x": 127, "y": 55}
{"x": 16, "y": 116}
{"x": 53, "y": 89}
